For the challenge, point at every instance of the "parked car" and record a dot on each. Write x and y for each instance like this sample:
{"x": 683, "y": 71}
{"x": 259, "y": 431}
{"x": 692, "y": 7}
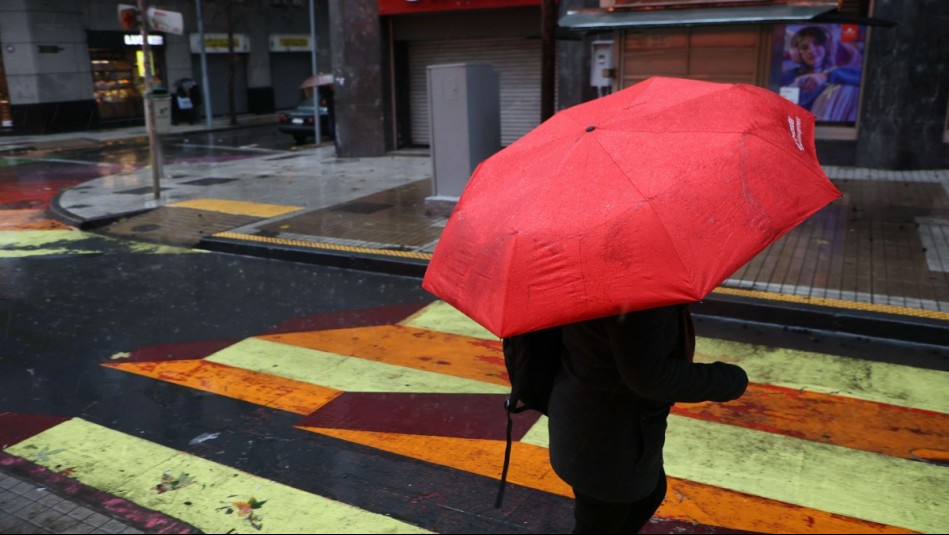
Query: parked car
{"x": 298, "y": 122}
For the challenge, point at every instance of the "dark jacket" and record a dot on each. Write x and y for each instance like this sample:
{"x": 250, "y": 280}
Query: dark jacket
{"x": 609, "y": 405}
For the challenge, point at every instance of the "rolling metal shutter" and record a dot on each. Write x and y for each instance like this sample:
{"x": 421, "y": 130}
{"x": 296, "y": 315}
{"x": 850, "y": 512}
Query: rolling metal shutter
{"x": 731, "y": 54}
{"x": 517, "y": 61}
{"x": 287, "y": 72}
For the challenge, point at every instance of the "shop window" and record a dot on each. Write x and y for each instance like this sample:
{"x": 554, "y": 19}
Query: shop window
{"x": 116, "y": 91}
{"x": 820, "y": 68}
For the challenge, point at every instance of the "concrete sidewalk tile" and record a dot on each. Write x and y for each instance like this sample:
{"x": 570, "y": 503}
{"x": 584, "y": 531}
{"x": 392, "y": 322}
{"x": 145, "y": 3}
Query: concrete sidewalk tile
{"x": 78, "y": 528}
{"x": 11, "y": 503}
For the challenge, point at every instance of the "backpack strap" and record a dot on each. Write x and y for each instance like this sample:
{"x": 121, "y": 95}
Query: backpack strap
{"x": 507, "y": 454}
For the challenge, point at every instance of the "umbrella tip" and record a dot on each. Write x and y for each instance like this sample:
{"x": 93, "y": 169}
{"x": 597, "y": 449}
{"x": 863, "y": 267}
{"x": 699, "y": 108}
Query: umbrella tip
{"x": 591, "y": 128}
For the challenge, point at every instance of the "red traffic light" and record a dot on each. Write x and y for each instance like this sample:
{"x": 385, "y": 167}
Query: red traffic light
{"x": 129, "y": 17}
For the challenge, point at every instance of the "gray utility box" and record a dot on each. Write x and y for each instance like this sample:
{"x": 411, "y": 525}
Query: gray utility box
{"x": 464, "y": 101}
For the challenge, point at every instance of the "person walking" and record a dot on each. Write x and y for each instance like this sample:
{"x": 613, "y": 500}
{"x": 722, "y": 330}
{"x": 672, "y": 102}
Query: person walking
{"x": 608, "y": 409}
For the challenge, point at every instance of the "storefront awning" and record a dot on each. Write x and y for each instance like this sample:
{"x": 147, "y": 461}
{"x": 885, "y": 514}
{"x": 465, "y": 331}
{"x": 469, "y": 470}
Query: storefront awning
{"x": 611, "y": 20}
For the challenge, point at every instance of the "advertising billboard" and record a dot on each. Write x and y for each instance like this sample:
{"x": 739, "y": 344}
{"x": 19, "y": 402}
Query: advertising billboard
{"x": 820, "y": 68}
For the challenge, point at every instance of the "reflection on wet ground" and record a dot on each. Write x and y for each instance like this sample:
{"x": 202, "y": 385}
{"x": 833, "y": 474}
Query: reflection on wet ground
{"x": 30, "y": 179}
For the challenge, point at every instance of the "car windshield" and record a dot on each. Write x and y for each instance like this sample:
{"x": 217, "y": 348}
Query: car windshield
{"x": 306, "y": 105}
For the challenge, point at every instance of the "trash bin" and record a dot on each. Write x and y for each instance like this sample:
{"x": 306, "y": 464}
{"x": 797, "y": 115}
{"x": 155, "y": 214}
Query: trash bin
{"x": 162, "y": 115}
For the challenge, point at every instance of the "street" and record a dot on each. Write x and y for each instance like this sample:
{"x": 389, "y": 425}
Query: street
{"x": 251, "y": 395}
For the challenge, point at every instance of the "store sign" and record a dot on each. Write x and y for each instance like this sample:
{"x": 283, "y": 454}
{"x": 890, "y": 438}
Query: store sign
{"x": 216, "y": 43}
{"x": 135, "y": 39}
{"x": 162, "y": 20}
{"x": 290, "y": 43}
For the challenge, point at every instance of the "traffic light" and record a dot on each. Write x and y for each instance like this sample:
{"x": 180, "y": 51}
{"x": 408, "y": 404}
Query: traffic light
{"x": 129, "y": 17}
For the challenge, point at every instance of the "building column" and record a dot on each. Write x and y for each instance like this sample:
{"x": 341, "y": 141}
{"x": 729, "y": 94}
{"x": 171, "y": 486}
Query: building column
{"x": 906, "y": 88}
{"x": 357, "y": 45}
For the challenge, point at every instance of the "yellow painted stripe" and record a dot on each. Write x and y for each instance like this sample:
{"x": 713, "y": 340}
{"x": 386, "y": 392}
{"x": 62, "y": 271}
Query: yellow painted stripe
{"x": 834, "y": 303}
{"x": 259, "y": 388}
{"x": 874, "y": 487}
{"x": 325, "y": 246}
{"x": 445, "y": 353}
{"x": 442, "y": 317}
{"x": 350, "y": 374}
{"x": 132, "y": 468}
{"x": 227, "y": 206}
{"x": 23, "y": 243}
{"x": 686, "y": 500}
{"x": 873, "y": 381}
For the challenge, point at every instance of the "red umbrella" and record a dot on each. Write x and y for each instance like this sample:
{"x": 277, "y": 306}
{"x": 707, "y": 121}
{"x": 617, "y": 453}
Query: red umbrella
{"x": 647, "y": 197}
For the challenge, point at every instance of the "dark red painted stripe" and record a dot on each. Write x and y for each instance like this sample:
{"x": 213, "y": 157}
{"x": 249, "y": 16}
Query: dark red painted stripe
{"x": 663, "y": 525}
{"x": 479, "y": 416}
{"x": 318, "y": 322}
{"x": 346, "y": 319}
{"x": 178, "y": 351}
{"x": 17, "y": 427}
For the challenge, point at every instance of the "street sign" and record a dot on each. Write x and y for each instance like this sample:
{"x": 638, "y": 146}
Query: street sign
{"x": 128, "y": 17}
{"x": 162, "y": 20}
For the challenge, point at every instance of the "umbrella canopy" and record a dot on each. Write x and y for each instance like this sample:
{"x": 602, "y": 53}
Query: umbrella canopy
{"x": 317, "y": 80}
{"x": 647, "y": 197}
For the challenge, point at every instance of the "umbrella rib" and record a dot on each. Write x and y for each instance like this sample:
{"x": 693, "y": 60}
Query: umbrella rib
{"x": 659, "y": 219}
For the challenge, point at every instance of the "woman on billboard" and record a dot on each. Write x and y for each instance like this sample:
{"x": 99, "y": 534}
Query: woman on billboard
{"x": 825, "y": 77}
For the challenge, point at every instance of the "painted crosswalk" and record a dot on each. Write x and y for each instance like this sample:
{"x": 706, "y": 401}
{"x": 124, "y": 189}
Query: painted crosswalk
{"x": 819, "y": 444}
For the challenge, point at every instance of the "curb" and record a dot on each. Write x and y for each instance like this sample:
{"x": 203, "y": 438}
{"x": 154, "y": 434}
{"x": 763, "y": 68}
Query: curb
{"x": 810, "y": 317}
{"x": 57, "y": 212}
{"x": 376, "y": 263}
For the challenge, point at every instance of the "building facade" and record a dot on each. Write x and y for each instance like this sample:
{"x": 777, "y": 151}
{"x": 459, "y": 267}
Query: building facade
{"x": 883, "y": 101}
{"x": 69, "y": 65}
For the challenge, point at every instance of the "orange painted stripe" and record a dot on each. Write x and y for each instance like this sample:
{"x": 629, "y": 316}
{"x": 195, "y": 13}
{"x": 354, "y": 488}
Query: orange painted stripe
{"x": 449, "y": 354}
{"x": 258, "y": 388}
{"x": 842, "y": 421}
{"x": 924, "y": 454}
{"x": 685, "y": 500}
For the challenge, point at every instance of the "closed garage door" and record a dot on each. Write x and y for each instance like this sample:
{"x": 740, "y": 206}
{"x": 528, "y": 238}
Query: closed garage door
{"x": 218, "y": 66}
{"x": 517, "y": 62}
{"x": 288, "y": 70}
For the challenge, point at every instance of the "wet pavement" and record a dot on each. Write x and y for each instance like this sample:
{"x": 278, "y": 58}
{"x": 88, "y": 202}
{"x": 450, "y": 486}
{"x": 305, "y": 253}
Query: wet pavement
{"x": 181, "y": 389}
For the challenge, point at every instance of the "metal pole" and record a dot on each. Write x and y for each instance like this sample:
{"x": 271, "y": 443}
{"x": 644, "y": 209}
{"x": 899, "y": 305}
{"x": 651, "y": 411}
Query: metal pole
{"x": 153, "y": 146}
{"x": 205, "y": 86}
{"x": 549, "y": 11}
{"x": 316, "y": 89}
